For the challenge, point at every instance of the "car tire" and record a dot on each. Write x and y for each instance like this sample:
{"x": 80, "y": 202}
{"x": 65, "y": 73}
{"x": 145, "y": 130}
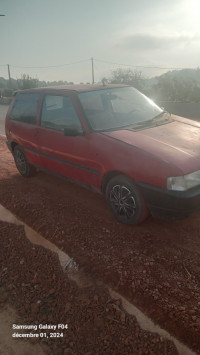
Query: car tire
{"x": 125, "y": 201}
{"x": 22, "y": 163}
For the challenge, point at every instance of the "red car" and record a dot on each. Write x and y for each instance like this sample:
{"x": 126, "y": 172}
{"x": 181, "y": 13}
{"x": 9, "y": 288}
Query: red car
{"x": 113, "y": 139}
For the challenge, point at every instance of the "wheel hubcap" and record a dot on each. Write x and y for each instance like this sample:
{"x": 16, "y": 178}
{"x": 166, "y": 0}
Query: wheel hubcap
{"x": 20, "y": 162}
{"x": 123, "y": 201}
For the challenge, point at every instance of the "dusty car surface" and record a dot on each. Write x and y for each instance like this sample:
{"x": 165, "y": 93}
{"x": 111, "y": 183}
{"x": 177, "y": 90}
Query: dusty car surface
{"x": 113, "y": 139}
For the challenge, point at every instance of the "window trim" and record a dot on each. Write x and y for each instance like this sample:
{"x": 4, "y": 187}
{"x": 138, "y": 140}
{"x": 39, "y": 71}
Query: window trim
{"x": 36, "y": 111}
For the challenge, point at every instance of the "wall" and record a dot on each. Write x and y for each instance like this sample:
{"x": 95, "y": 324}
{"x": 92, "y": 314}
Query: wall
{"x": 185, "y": 109}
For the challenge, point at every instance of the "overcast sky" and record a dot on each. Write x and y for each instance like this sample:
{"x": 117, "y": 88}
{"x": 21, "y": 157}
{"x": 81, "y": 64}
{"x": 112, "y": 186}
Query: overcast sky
{"x": 45, "y": 33}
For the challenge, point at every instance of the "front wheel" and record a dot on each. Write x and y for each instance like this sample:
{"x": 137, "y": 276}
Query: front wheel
{"x": 125, "y": 200}
{"x": 22, "y": 163}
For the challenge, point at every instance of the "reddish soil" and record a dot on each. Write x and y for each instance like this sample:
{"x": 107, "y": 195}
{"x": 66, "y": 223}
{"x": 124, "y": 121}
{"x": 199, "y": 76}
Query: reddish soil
{"x": 155, "y": 265}
{"x": 32, "y": 281}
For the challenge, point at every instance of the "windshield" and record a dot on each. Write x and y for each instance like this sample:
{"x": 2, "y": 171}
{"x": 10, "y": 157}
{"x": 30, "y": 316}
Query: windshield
{"x": 110, "y": 109}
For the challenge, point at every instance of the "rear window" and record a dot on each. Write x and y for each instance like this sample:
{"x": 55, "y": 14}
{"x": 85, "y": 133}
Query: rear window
{"x": 25, "y": 108}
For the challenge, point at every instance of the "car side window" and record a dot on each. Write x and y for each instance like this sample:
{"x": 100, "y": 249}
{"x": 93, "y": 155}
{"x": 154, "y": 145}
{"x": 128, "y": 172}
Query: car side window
{"x": 58, "y": 113}
{"x": 25, "y": 108}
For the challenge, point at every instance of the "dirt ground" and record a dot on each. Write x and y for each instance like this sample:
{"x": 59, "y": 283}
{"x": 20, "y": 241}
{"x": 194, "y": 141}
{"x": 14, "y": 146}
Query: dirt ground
{"x": 155, "y": 266}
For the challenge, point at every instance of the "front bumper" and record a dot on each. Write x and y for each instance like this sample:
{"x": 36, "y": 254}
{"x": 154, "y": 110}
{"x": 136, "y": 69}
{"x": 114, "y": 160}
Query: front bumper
{"x": 168, "y": 203}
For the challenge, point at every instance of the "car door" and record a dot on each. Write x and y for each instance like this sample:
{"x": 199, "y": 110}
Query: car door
{"x": 70, "y": 156}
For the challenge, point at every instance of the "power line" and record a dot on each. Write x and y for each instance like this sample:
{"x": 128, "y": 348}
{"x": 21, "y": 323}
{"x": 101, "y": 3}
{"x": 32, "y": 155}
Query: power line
{"x": 97, "y": 60}
{"x": 138, "y": 66}
{"x": 50, "y": 66}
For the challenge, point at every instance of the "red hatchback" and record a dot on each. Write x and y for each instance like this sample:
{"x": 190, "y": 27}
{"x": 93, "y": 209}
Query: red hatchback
{"x": 113, "y": 139}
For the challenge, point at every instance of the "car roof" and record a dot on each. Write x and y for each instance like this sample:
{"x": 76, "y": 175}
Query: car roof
{"x": 73, "y": 88}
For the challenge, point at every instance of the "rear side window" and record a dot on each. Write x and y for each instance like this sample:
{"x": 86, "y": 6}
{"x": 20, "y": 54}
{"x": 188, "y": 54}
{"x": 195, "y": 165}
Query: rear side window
{"x": 25, "y": 108}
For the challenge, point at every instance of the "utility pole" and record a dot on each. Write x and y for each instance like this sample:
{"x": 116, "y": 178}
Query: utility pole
{"x": 92, "y": 60}
{"x": 9, "y": 76}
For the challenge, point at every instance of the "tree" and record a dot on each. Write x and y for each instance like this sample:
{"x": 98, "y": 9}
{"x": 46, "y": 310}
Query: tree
{"x": 175, "y": 89}
{"x": 26, "y": 82}
{"x": 126, "y": 76}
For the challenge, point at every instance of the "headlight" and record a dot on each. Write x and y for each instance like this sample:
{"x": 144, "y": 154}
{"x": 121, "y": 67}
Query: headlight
{"x": 185, "y": 182}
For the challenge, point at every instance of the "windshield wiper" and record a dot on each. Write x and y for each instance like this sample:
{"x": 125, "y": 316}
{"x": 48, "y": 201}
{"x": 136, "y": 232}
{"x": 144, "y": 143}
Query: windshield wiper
{"x": 153, "y": 121}
{"x": 161, "y": 115}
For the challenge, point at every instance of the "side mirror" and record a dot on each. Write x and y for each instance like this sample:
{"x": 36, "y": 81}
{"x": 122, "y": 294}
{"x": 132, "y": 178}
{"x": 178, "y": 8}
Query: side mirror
{"x": 73, "y": 131}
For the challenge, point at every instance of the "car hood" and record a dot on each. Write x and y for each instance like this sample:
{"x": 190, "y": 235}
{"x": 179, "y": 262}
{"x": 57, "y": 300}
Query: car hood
{"x": 177, "y": 142}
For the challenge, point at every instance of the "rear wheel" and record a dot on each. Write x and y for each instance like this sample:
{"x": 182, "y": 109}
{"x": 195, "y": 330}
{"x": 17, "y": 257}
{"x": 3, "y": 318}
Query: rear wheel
{"x": 125, "y": 200}
{"x": 22, "y": 163}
